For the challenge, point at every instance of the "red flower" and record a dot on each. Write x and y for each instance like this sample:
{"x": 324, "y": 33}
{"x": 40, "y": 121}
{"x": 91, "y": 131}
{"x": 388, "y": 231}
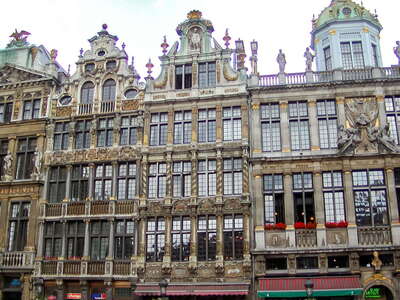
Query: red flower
{"x": 280, "y": 226}
{"x": 299, "y": 225}
{"x": 269, "y": 226}
{"x": 343, "y": 224}
{"x": 330, "y": 225}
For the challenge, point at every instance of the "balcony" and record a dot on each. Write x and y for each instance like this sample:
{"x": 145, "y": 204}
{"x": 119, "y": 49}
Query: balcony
{"x": 373, "y": 236}
{"x": 85, "y": 108}
{"x": 17, "y": 260}
{"x": 306, "y": 238}
{"x": 107, "y": 106}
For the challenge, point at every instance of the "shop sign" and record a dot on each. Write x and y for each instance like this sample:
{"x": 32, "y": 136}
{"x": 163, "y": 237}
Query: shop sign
{"x": 99, "y": 296}
{"x": 374, "y": 292}
{"x": 73, "y": 296}
{"x": 15, "y": 283}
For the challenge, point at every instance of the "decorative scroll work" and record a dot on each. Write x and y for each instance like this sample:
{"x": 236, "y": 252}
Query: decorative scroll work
{"x": 364, "y": 133}
{"x": 229, "y": 73}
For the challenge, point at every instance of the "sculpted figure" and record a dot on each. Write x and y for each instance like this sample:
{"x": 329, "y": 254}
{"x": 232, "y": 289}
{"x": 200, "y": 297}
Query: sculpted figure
{"x": 396, "y": 51}
{"x": 309, "y": 59}
{"x": 37, "y": 163}
{"x": 376, "y": 262}
{"x": 281, "y": 59}
{"x": 385, "y": 139}
{"x": 195, "y": 39}
{"x": 347, "y": 138}
{"x": 7, "y": 166}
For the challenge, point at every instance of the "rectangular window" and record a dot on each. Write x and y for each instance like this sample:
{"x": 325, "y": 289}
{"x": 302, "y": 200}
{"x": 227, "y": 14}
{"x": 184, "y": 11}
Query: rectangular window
{"x": 274, "y": 209}
{"x": 181, "y": 179}
{"x": 31, "y": 109}
{"x": 328, "y": 59}
{"x": 375, "y": 60}
{"x": 232, "y": 123}
{"x": 370, "y": 198}
{"x": 303, "y": 196}
{"x": 327, "y": 123}
{"x": 3, "y": 154}
{"x": 75, "y": 237}
{"x": 99, "y": 237}
{"x": 158, "y": 129}
{"x": 25, "y": 157}
{"x": 333, "y": 196}
{"x": 6, "y": 112}
{"x": 397, "y": 185}
{"x": 79, "y": 182}
{"x": 18, "y": 225}
{"x": 233, "y": 237}
{"x": 57, "y": 184}
{"x": 181, "y": 238}
{"x": 183, "y": 77}
{"x": 155, "y": 236}
{"x": 206, "y": 125}
{"x": 270, "y": 127}
{"x": 124, "y": 239}
{"x": 82, "y": 131}
{"x": 105, "y": 132}
{"x": 278, "y": 263}
{"x": 207, "y": 75}
{"x": 306, "y": 262}
{"x": 341, "y": 261}
{"x": 206, "y": 238}
{"x": 126, "y": 181}
{"x": 352, "y": 55}
{"x": 128, "y": 131}
{"x": 103, "y": 182}
{"x": 299, "y": 127}
{"x": 183, "y": 127}
{"x": 233, "y": 177}
{"x": 52, "y": 239}
{"x": 392, "y": 108}
{"x": 207, "y": 178}
{"x": 61, "y": 136}
{"x": 157, "y": 180}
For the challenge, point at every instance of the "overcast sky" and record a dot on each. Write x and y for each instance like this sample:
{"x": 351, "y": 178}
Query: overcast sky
{"x": 141, "y": 24}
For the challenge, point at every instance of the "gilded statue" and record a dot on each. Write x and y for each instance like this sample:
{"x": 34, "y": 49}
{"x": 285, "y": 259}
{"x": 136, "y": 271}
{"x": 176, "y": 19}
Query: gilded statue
{"x": 20, "y": 36}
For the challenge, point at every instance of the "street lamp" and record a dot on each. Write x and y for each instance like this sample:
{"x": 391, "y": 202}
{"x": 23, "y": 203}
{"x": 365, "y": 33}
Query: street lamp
{"x": 163, "y": 288}
{"x": 309, "y": 286}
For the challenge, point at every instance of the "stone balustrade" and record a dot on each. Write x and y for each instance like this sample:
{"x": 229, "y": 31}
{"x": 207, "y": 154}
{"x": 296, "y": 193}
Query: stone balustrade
{"x": 371, "y": 236}
{"x": 17, "y": 260}
{"x": 306, "y": 238}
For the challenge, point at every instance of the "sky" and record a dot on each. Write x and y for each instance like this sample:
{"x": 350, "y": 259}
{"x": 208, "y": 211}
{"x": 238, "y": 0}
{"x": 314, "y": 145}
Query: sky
{"x": 141, "y": 25}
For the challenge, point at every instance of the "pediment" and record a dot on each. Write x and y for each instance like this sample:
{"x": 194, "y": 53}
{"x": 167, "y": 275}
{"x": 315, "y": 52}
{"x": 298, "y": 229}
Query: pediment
{"x": 15, "y": 74}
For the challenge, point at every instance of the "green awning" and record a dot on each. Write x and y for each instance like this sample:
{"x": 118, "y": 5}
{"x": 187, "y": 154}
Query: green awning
{"x": 320, "y": 293}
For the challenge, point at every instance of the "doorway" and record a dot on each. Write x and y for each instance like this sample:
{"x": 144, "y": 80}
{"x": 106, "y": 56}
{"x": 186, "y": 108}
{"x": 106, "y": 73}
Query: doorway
{"x": 12, "y": 295}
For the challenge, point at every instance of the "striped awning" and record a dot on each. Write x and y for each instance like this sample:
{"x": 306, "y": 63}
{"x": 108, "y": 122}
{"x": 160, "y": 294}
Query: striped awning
{"x": 292, "y": 287}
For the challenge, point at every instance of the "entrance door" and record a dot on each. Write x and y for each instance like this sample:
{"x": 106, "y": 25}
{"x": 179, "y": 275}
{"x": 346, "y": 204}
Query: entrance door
{"x": 12, "y": 295}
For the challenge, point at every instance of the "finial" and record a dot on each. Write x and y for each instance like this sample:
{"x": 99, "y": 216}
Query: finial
{"x": 226, "y": 38}
{"x": 123, "y": 46}
{"x": 194, "y": 14}
{"x": 164, "y": 45}
{"x": 133, "y": 60}
{"x": 69, "y": 70}
{"x": 81, "y": 52}
{"x": 104, "y": 26}
{"x": 149, "y": 66}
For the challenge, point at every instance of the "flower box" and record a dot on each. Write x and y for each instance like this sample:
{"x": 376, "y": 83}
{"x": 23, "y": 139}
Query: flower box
{"x": 299, "y": 225}
{"x": 341, "y": 224}
{"x": 277, "y": 226}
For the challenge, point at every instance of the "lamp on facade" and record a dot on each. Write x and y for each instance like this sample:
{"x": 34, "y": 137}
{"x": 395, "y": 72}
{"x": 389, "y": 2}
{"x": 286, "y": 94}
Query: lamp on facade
{"x": 239, "y": 46}
{"x": 240, "y": 54}
{"x": 254, "y": 47}
{"x": 309, "y": 286}
{"x": 163, "y": 287}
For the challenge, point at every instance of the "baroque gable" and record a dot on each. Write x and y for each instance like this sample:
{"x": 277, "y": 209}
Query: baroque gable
{"x": 11, "y": 74}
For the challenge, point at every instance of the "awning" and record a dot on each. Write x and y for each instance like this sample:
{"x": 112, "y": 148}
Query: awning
{"x": 193, "y": 289}
{"x": 323, "y": 286}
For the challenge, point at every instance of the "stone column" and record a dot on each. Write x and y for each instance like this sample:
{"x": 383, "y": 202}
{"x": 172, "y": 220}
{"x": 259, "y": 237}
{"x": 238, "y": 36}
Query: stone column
{"x": 341, "y": 111}
{"x": 40, "y": 240}
{"x": 245, "y": 159}
{"x": 110, "y": 255}
{"x": 312, "y": 111}
{"x": 193, "y": 185}
{"x": 258, "y": 208}
{"x": 144, "y": 166}
{"x": 319, "y": 210}
{"x": 289, "y": 208}
{"x": 220, "y": 237}
{"x": 168, "y": 228}
{"x": 218, "y": 116}
{"x": 68, "y": 183}
{"x": 393, "y": 206}
{"x": 146, "y": 128}
{"x": 220, "y": 175}
{"x": 142, "y": 237}
{"x": 3, "y": 223}
{"x": 91, "y": 181}
{"x": 64, "y": 239}
{"x": 245, "y": 123}
{"x": 60, "y": 289}
{"x": 246, "y": 233}
{"x": 381, "y": 108}
{"x": 84, "y": 290}
{"x": 170, "y": 126}
{"x": 193, "y": 237}
{"x": 350, "y": 209}
{"x": 32, "y": 225}
{"x": 168, "y": 181}
{"x": 194, "y": 124}
{"x": 255, "y": 127}
{"x": 115, "y": 181}
{"x": 285, "y": 133}
{"x": 86, "y": 253}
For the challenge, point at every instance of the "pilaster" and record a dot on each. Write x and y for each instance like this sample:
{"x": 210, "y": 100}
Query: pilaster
{"x": 350, "y": 209}
{"x": 285, "y": 134}
{"x": 312, "y": 111}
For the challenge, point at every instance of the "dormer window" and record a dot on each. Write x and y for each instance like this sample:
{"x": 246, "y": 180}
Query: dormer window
{"x": 183, "y": 77}
{"x": 352, "y": 55}
{"x": 328, "y": 58}
{"x": 346, "y": 11}
{"x": 130, "y": 94}
{"x": 207, "y": 74}
{"x": 111, "y": 65}
{"x": 89, "y": 67}
{"x": 101, "y": 53}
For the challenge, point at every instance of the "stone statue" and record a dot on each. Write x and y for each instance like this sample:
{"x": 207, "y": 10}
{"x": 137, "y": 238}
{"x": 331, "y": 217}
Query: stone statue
{"x": 53, "y": 54}
{"x": 347, "y": 138}
{"x": 309, "y": 59}
{"x": 281, "y": 59}
{"x": 396, "y": 51}
{"x": 376, "y": 262}
{"x": 7, "y": 167}
{"x": 195, "y": 39}
{"x": 37, "y": 164}
{"x": 383, "y": 137}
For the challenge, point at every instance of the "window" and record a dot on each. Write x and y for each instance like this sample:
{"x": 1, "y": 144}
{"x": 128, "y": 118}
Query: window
{"x": 299, "y": 127}
{"x": 307, "y": 262}
{"x": 392, "y": 107}
{"x": 206, "y": 238}
{"x": 155, "y": 235}
{"x": 180, "y": 238}
{"x": 6, "y": 112}
{"x": 232, "y": 123}
{"x": 333, "y": 196}
{"x": 108, "y": 90}
{"x": 387, "y": 260}
{"x": 128, "y": 133}
{"x": 75, "y": 236}
{"x": 375, "y": 55}
{"x": 352, "y": 55}
{"x": 158, "y": 129}
{"x": 61, "y": 136}
{"x": 233, "y": 176}
{"x": 111, "y": 65}
{"x": 303, "y": 196}
{"x": 181, "y": 179}
{"x": 103, "y": 182}
{"x": 206, "y": 125}
{"x": 130, "y": 94}
{"x": 89, "y": 67}
{"x": 157, "y": 180}
{"x": 18, "y": 226}
{"x": 183, "y": 77}
{"x": 25, "y": 157}
{"x": 274, "y": 209}
{"x": 126, "y": 181}
{"x": 370, "y": 198}
{"x": 31, "y": 109}
{"x": 105, "y": 132}
{"x": 327, "y": 123}
{"x": 82, "y": 131}
{"x": 57, "y": 184}
{"x": 397, "y": 185}
{"x": 79, "y": 183}
{"x": 207, "y": 74}
{"x": 124, "y": 239}
{"x": 328, "y": 59}
{"x": 52, "y": 239}
{"x": 338, "y": 261}
{"x": 270, "y": 127}
{"x": 87, "y": 93}
{"x": 99, "y": 235}
{"x": 183, "y": 127}
{"x": 233, "y": 237}
{"x": 207, "y": 178}
{"x": 278, "y": 263}
{"x": 3, "y": 153}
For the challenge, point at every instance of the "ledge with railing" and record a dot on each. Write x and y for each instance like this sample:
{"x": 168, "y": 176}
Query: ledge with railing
{"x": 17, "y": 260}
{"x": 371, "y": 236}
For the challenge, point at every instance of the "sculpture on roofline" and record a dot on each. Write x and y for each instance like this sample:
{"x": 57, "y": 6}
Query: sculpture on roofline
{"x": 309, "y": 59}
{"x": 281, "y": 59}
{"x": 19, "y": 38}
{"x": 396, "y": 51}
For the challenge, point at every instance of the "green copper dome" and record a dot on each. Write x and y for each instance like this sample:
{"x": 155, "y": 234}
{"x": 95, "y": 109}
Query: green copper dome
{"x": 342, "y": 10}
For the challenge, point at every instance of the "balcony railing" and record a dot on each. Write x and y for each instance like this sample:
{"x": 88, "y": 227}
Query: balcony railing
{"x": 72, "y": 267}
{"x": 96, "y": 267}
{"x": 122, "y": 268}
{"x": 49, "y": 268}
{"x": 306, "y": 238}
{"x": 85, "y": 108}
{"x": 357, "y": 74}
{"x": 370, "y": 236}
{"x": 107, "y": 106}
{"x": 76, "y": 208}
{"x": 16, "y": 260}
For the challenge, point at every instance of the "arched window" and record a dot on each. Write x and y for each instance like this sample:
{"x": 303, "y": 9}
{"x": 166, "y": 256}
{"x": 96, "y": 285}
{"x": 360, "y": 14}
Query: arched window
{"x": 87, "y": 92}
{"x": 109, "y": 90}
{"x": 130, "y": 94}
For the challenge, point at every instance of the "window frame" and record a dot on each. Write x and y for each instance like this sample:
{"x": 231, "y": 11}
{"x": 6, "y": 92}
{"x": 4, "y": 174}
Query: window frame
{"x": 105, "y": 133}
{"x": 157, "y": 232}
{"x": 276, "y": 212}
{"x": 31, "y": 109}
{"x": 207, "y": 125}
{"x": 61, "y": 136}
{"x": 103, "y": 235}
{"x": 335, "y": 191}
{"x": 158, "y": 188}
{"x": 76, "y": 238}
{"x": 54, "y": 238}
{"x": 183, "y": 127}
{"x": 184, "y": 78}
{"x": 59, "y": 181}
{"x": 233, "y": 237}
{"x": 103, "y": 182}
{"x": 209, "y": 74}
{"x": 300, "y": 140}
{"x": 128, "y": 180}
{"x": 209, "y": 183}
{"x": 181, "y": 179}
{"x": 25, "y": 163}
{"x": 128, "y": 131}
{"x": 158, "y": 129}
{"x": 304, "y": 191}
{"x": 233, "y": 176}
{"x": 125, "y": 237}
{"x": 271, "y": 141}
{"x": 331, "y": 132}
{"x": 18, "y": 235}
{"x": 180, "y": 233}
{"x": 83, "y": 133}
{"x": 209, "y": 244}
{"x": 232, "y": 123}
{"x": 81, "y": 181}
